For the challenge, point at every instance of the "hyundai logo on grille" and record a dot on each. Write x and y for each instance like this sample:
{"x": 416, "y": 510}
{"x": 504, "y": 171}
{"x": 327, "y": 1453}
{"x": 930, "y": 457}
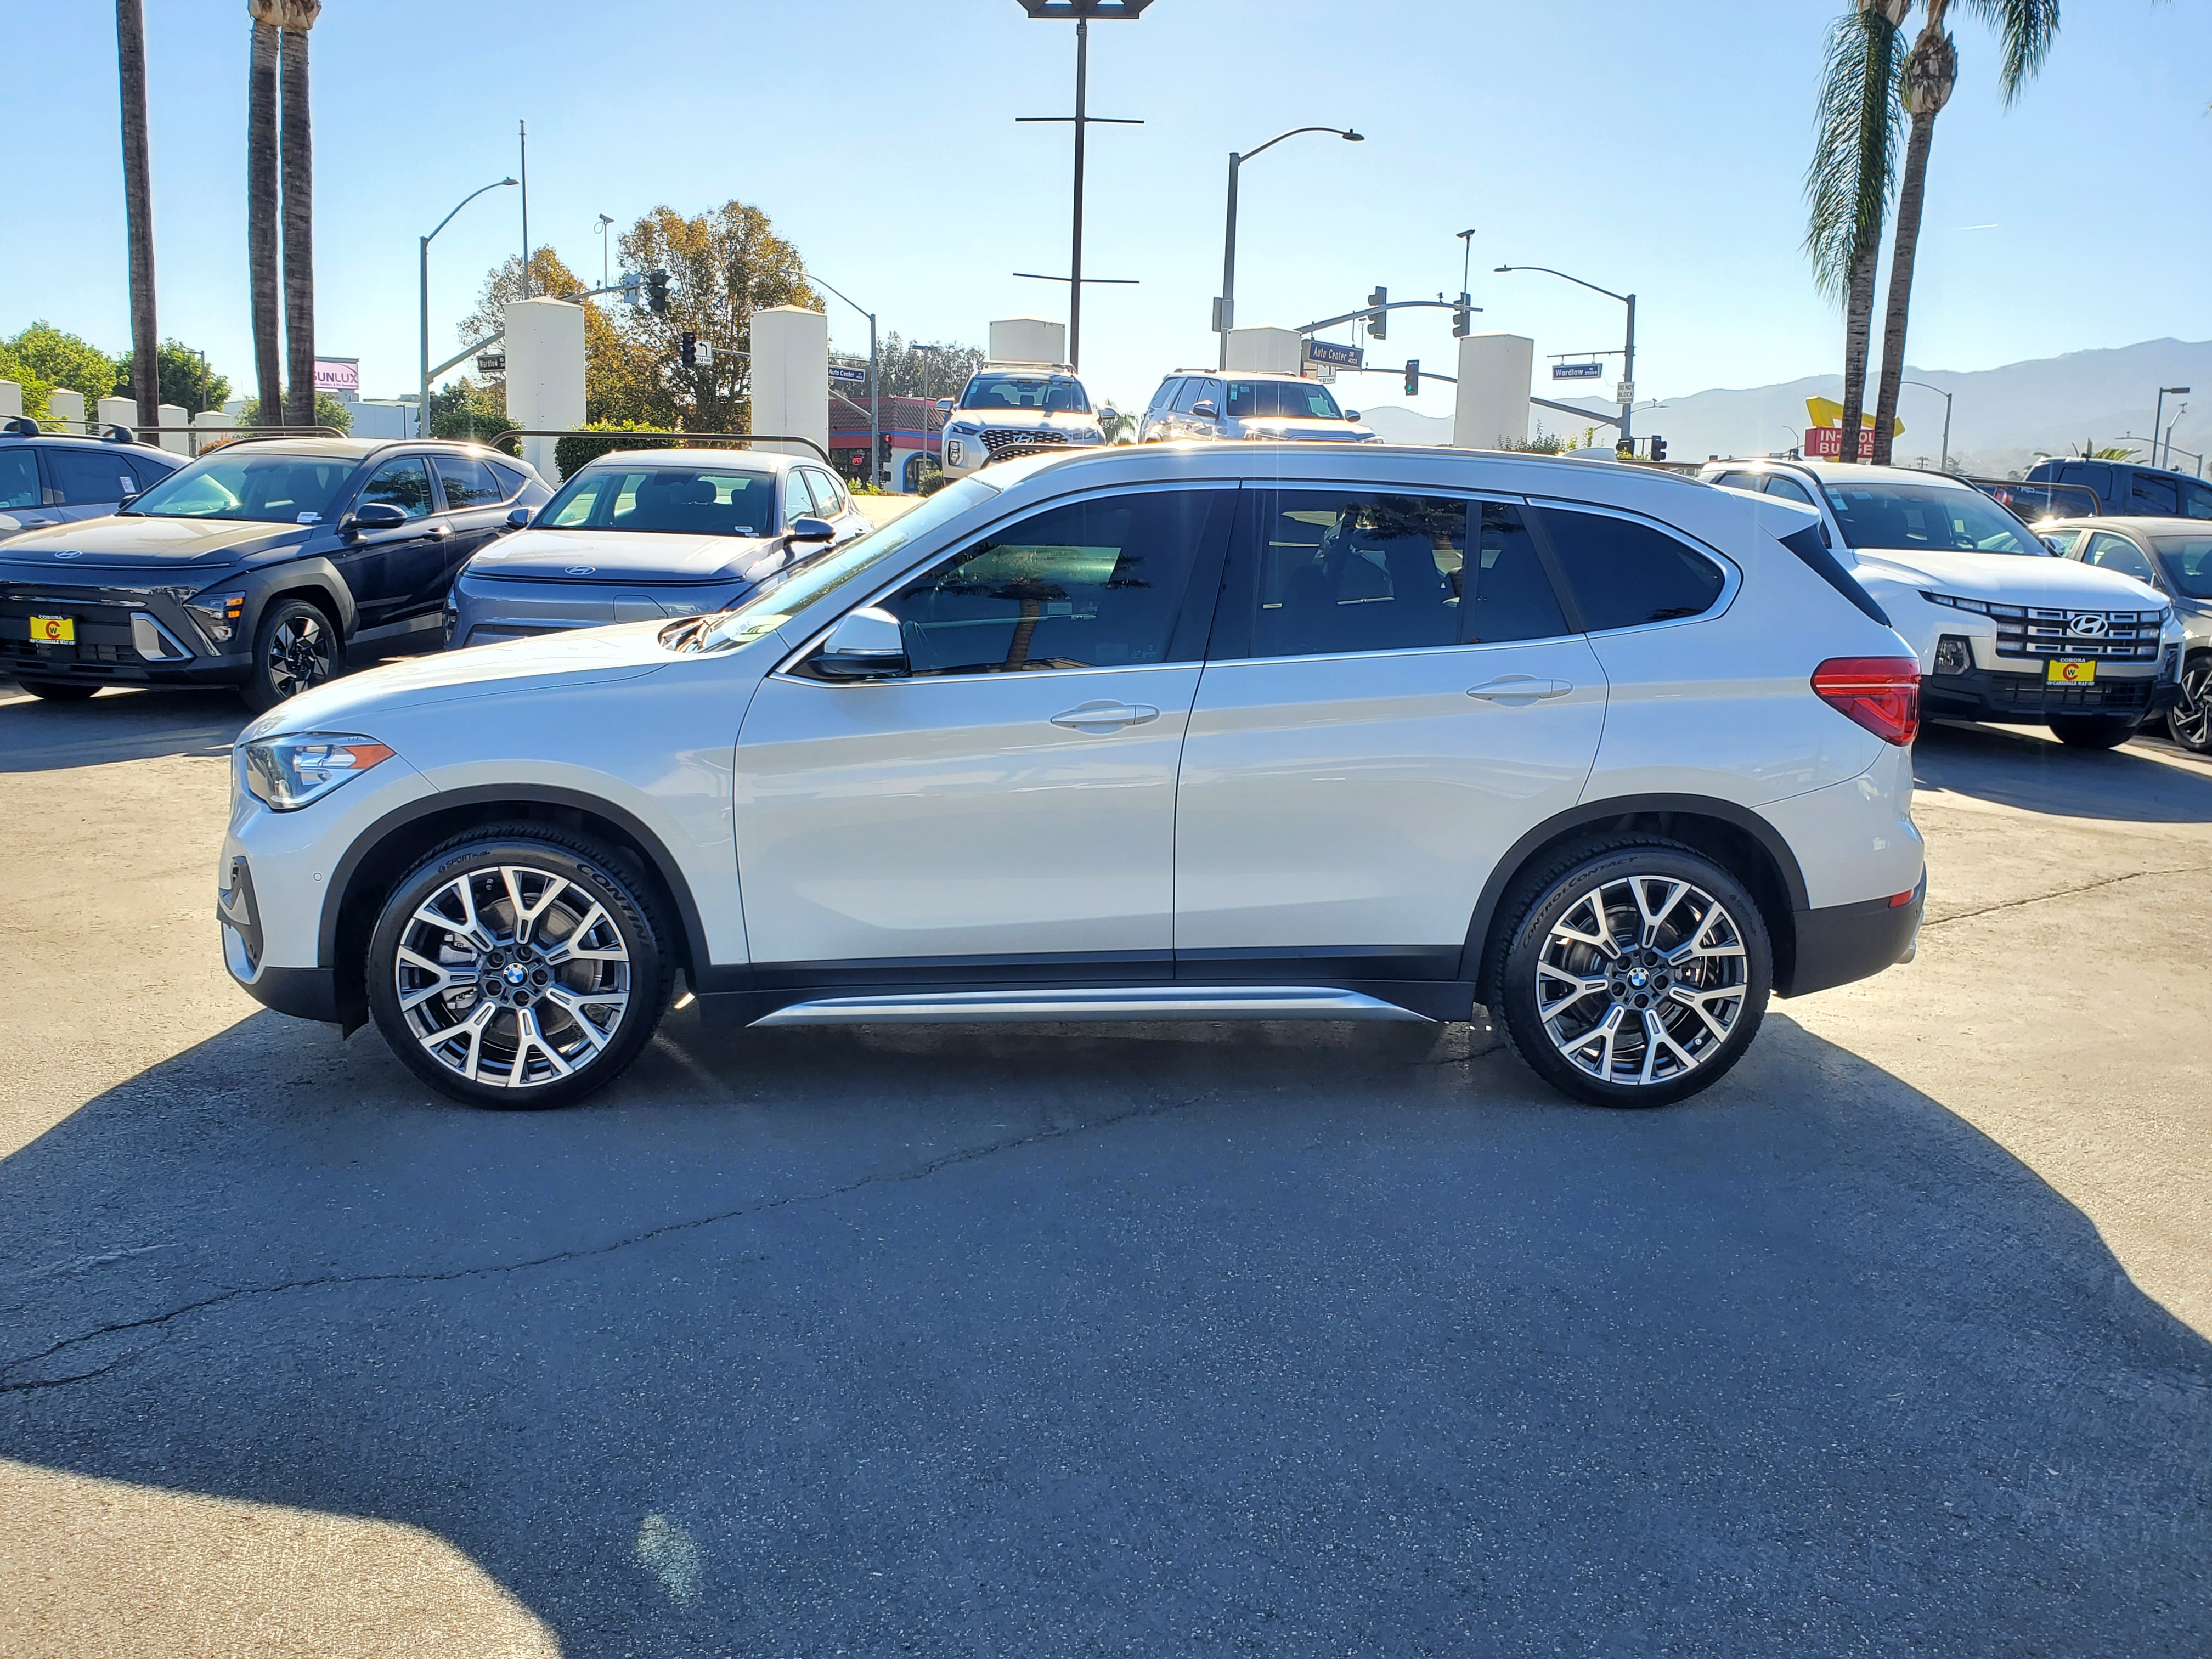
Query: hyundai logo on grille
{"x": 581, "y": 569}
{"x": 2089, "y": 627}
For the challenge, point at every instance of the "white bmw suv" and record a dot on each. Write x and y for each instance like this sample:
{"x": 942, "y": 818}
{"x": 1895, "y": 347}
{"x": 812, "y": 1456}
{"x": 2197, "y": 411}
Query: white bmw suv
{"x": 1325, "y": 732}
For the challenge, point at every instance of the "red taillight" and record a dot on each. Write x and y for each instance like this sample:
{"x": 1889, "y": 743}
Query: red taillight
{"x": 1882, "y": 694}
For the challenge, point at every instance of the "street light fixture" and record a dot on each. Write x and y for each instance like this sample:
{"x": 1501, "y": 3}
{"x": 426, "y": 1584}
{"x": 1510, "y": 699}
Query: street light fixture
{"x": 875, "y": 423}
{"x": 1627, "y": 388}
{"x": 606, "y": 224}
{"x": 422, "y": 408}
{"x": 1225, "y": 308}
{"x": 2157, "y": 420}
{"x": 1944, "y": 465}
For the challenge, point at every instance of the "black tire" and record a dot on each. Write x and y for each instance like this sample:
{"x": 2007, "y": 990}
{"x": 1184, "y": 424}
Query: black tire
{"x": 1696, "y": 1048}
{"x": 2092, "y": 731}
{"x": 2188, "y": 723}
{"x": 59, "y": 690}
{"x": 295, "y": 648}
{"x": 543, "y": 1061}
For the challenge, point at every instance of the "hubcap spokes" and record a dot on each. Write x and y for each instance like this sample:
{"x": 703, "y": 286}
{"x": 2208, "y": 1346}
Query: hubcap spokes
{"x": 2192, "y": 718}
{"x": 1641, "y": 980}
{"x": 298, "y": 655}
{"x": 513, "y": 977}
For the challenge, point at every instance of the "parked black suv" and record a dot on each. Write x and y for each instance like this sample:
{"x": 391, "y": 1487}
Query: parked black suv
{"x": 2131, "y": 491}
{"x": 49, "y": 477}
{"x": 255, "y": 566}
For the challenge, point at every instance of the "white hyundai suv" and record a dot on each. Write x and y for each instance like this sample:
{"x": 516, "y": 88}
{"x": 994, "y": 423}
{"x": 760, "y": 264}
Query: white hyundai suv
{"x": 2004, "y": 629}
{"x": 1329, "y": 731}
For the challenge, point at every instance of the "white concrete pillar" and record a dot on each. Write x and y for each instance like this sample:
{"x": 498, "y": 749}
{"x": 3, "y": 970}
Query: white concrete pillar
{"x": 11, "y": 400}
{"x": 173, "y": 415}
{"x": 1267, "y": 351}
{"x": 66, "y": 407}
{"x": 117, "y": 411}
{"x": 791, "y": 377}
{"x": 1028, "y": 340}
{"x": 1495, "y": 373}
{"x": 544, "y": 351}
{"x": 207, "y": 423}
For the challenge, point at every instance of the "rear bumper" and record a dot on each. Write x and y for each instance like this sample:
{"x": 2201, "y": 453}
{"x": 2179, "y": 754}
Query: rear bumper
{"x": 1983, "y": 694}
{"x": 1840, "y": 943}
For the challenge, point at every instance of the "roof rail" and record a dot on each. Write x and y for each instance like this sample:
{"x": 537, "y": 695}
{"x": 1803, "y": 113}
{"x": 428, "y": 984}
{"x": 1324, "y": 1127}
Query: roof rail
{"x": 1014, "y": 365}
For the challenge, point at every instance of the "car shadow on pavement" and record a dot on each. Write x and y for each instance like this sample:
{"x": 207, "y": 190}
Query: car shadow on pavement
{"x": 2031, "y": 772}
{"x": 1152, "y": 1340}
{"x": 115, "y": 726}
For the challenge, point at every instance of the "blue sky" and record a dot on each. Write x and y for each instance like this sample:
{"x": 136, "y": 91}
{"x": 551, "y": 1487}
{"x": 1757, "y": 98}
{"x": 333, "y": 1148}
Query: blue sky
{"x": 1614, "y": 140}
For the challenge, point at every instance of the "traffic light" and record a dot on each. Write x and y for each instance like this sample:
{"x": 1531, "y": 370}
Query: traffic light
{"x": 687, "y": 348}
{"x": 1658, "y": 447}
{"x": 1413, "y": 377}
{"x": 1376, "y": 326}
{"x": 656, "y": 292}
{"x": 1463, "y": 318}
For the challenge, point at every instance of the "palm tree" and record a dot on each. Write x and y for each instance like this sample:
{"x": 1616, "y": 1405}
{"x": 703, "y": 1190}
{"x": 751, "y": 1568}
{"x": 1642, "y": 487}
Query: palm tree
{"x": 299, "y": 152}
{"x": 261, "y": 207}
{"x": 2024, "y": 29}
{"x": 138, "y": 209}
{"x": 1847, "y": 183}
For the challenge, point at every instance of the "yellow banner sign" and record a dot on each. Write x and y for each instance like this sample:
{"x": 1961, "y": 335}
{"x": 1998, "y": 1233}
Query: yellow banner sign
{"x": 1826, "y": 412}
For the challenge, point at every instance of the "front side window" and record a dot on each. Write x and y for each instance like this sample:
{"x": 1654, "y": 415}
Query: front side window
{"x": 1165, "y": 395}
{"x": 404, "y": 484}
{"x": 1094, "y": 584}
{"x": 1054, "y": 394}
{"x": 1914, "y": 517}
{"x": 2112, "y": 552}
{"x": 1626, "y": 574}
{"x": 1192, "y": 389}
{"x": 2062, "y": 542}
{"x": 1789, "y": 490}
{"x": 1305, "y": 400}
{"x": 19, "y": 479}
{"x": 711, "y": 501}
{"x": 469, "y": 482}
{"x": 828, "y": 500}
{"x": 2155, "y": 497}
{"x": 87, "y": 477}
{"x": 241, "y": 483}
{"x": 2187, "y": 562}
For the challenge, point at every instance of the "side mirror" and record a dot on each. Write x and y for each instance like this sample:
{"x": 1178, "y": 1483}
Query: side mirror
{"x": 1350, "y": 414}
{"x": 375, "y": 515}
{"x": 1206, "y": 409}
{"x": 1107, "y": 414}
{"x": 808, "y": 528}
{"x": 2053, "y": 544}
{"x": 519, "y": 518}
{"x": 123, "y": 503}
{"x": 866, "y": 644}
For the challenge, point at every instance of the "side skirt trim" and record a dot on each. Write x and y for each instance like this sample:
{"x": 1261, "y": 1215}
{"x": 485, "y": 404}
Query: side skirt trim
{"x": 1129, "y": 1003}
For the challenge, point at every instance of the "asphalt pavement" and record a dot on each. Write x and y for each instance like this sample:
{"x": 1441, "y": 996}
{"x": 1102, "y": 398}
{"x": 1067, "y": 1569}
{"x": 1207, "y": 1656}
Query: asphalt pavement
{"x": 1138, "y": 1340}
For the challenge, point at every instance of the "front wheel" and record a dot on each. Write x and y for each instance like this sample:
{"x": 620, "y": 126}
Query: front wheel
{"x": 2092, "y": 731}
{"x": 519, "y": 968}
{"x": 1635, "y": 974}
{"x": 2188, "y": 723}
{"x": 294, "y": 648}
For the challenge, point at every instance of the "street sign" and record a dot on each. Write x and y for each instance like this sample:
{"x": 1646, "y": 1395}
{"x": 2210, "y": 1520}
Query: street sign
{"x": 1625, "y": 393}
{"x": 1577, "y": 371}
{"x": 845, "y": 376}
{"x": 491, "y": 362}
{"x": 1335, "y": 355}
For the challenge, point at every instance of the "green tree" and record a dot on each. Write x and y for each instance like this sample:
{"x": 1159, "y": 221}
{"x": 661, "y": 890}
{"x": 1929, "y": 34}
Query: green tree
{"x": 55, "y": 358}
{"x": 328, "y": 411}
{"x": 936, "y": 370}
{"x": 468, "y": 409}
{"x": 179, "y": 368}
{"x": 620, "y": 381}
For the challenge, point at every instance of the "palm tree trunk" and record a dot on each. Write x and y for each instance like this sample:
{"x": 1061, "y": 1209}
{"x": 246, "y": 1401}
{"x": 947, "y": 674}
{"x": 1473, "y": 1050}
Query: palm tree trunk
{"x": 1858, "y": 343}
{"x": 138, "y": 209}
{"x": 261, "y": 220}
{"x": 1930, "y": 75}
{"x": 1880, "y": 23}
{"x": 299, "y": 153}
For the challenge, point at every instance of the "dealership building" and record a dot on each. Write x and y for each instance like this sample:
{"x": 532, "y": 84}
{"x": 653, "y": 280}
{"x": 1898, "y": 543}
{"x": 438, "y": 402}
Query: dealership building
{"x": 909, "y": 428}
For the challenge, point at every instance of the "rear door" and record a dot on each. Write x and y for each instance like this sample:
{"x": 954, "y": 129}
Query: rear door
{"x": 87, "y": 481}
{"x": 1392, "y": 697}
{"x": 476, "y": 508}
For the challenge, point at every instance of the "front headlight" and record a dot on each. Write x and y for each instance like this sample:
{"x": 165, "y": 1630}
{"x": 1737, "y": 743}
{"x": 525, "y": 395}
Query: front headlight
{"x": 217, "y": 614}
{"x": 286, "y": 773}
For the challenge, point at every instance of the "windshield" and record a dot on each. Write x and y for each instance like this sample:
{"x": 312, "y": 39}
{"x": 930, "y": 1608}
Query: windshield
{"x": 1055, "y": 393}
{"x": 288, "y": 489}
{"x": 1299, "y": 399}
{"x": 789, "y": 592}
{"x": 1914, "y": 517}
{"x": 2188, "y": 561}
{"x": 694, "y": 501}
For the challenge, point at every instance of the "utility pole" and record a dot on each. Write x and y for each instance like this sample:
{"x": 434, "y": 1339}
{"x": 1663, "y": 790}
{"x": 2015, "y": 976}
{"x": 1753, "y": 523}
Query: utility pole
{"x": 522, "y": 130}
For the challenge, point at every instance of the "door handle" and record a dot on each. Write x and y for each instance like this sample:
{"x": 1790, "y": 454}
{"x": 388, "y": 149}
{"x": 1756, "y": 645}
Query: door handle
{"x": 1096, "y": 717}
{"x": 1519, "y": 690}
{"x": 440, "y": 530}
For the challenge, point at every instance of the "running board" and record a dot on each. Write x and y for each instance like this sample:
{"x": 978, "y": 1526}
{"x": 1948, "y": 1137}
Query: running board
{"x": 1042, "y": 1005}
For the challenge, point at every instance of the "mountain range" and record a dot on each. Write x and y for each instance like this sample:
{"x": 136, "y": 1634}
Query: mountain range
{"x": 2001, "y": 418}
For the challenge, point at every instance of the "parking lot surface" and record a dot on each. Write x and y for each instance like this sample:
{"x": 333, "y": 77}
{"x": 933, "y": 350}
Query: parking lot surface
{"x": 1066, "y": 1341}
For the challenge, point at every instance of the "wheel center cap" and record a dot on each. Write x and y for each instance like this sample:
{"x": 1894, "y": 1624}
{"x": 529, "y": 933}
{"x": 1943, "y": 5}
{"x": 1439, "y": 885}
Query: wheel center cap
{"x": 516, "y": 973}
{"x": 1638, "y": 977}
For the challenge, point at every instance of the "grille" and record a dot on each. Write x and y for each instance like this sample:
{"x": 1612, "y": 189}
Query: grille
{"x": 2025, "y": 631}
{"x": 2026, "y": 695}
{"x": 1005, "y": 445}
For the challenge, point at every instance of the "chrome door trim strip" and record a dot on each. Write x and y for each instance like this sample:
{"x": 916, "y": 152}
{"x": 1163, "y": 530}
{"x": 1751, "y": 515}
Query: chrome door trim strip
{"x": 1141, "y": 1002}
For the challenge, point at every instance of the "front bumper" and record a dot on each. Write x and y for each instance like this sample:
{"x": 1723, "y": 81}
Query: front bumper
{"x": 124, "y": 637}
{"x": 1980, "y": 693}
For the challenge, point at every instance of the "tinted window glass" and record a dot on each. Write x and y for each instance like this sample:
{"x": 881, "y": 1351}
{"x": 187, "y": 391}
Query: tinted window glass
{"x": 149, "y": 473}
{"x": 279, "y": 489}
{"x": 799, "y": 497}
{"x": 468, "y": 482}
{"x": 1789, "y": 489}
{"x": 2117, "y": 553}
{"x": 1165, "y": 395}
{"x": 404, "y": 484}
{"x": 1193, "y": 389}
{"x": 510, "y": 481}
{"x": 1738, "y": 480}
{"x": 2155, "y": 495}
{"x": 19, "y": 478}
{"x": 2062, "y": 542}
{"x": 1299, "y": 399}
{"x": 700, "y": 501}
{"x": 1625, "y": 574}
{"x": 86, "y": 477}
{"x": 1093, "y": 584}
{"x": 2195, "y": 499}
{"x": 2188, "y": 561}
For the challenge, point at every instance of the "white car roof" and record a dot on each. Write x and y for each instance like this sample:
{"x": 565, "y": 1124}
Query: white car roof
{"x": 1838, "y": 471}
{"x": 754, "y": 460}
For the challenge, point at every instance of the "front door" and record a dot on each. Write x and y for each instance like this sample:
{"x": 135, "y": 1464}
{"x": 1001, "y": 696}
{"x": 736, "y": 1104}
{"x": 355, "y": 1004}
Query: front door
{"x": 1013, "y": 795}
{"x": 386, "y": 569}
{"x": 1392, "y": 698}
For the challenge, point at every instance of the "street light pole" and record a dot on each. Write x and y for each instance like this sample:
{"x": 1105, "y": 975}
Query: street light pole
{"x": 875, "y": 421}
{"x": 1225, "y": 308}
{"x": 1627, "y": 386}
{"x": 606, "y": 224}
{"x": 1944, "y": 465}
{"x": 2158, "y": 419}
{"x": 422, "y": 408}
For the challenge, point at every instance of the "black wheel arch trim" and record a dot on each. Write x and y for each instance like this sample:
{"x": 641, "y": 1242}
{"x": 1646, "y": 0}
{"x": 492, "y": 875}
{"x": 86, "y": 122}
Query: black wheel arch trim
{"x": 1598, "y": 815}
{"x": 309, "y": 575}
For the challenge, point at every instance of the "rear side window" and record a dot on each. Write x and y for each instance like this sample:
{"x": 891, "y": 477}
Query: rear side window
{"x": 1624, "y": 574}
{"x": 2155, "y": 495}
{"x": 19, "y": 478}
{"x": 469, "y": 482}
{"x": 2195, "y": 499}
{"x": 88, "y": 478}
{"x": 510, "y": 481}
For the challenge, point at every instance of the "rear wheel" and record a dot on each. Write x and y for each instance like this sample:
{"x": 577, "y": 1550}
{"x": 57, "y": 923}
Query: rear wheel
{"x": 2092, "y": 731}
{"x": 518, "y": 968}
{"x": 1636, "y": 973}
{"x": 2188, "y": 723}
{"x": 294, "y": 648}
{"x": 59, "y": 690}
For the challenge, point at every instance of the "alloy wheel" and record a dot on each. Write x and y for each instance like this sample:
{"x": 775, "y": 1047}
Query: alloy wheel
{"x": 1641, "y": 980}
{"x": 300, "y": 653}
{"x": 2190, "y": 719}
{"x": 512, "y": 976}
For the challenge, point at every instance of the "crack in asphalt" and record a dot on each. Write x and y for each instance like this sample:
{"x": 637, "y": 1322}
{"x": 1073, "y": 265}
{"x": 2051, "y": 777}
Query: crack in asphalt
{"x": 560, "y": 1258}
{"x": 2065, "y": 892}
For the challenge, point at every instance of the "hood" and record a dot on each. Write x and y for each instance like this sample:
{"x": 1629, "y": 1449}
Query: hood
{"x": 1307, "y": 429}
{"x": 579, "y": 656}
{"x": 599, "y": 555}
{"x": 128, "y": 542}
{"x": 2009, "y": 579}
{"x": 1021, "y": 420}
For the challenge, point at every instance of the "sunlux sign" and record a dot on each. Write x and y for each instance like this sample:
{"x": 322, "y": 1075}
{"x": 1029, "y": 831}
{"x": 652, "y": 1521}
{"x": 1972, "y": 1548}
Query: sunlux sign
{"x": 337, "y": 375}
{"x": 1335, "y": 355}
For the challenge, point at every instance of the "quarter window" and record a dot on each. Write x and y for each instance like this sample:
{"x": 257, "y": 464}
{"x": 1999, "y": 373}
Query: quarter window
{"x": 2195, "y": 499}
{"x": 87, "y": 478}
{"x": 510, "y": 481}
{"x": 469, "y": 482}
{"x": 19, "y": 478}
{"x": 1623, "y": 574}
{"x": 1094, "y": 584}
{"x": 404, "y": 484}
